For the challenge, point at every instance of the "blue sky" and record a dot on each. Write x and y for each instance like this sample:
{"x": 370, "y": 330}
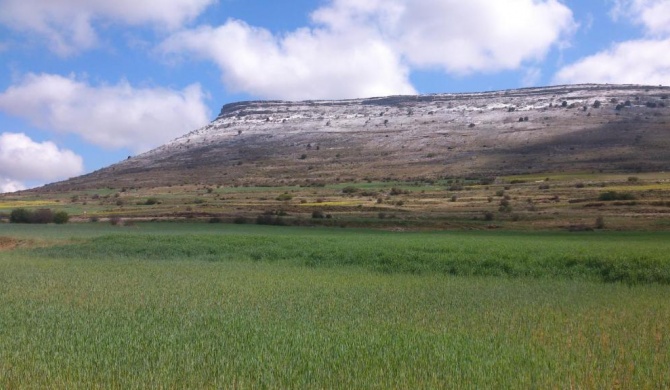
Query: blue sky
{"x": 85, "y": 84}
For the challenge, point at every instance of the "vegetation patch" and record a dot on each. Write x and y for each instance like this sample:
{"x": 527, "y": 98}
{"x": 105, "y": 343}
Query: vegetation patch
{"x": 609, "y": 258}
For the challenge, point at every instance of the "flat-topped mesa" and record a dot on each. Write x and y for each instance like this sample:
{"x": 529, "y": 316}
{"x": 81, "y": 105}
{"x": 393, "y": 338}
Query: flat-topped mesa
{"x": 520, "y": 99}
{"x": 613, "y": 128}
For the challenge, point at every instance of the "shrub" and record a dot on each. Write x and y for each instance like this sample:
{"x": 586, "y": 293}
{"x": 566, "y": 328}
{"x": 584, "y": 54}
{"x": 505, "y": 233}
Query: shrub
{"x": 151, "y": 201}
{"x": 600, "y": 222}
{"x": 318, "y": 214}
{"x": 349, "y": 190}
{"x": 240, "y": 220}
{"x": 215, "y": 220}
{"x": 613, "y": 195}
{"x": 285, "y": 197}
{"x": 488, "y": 216}
{"x": 397, "y": 191}
{"x": 61, "y": 217}
{"x": 20, "y": 215}
{"x": 115, "y": 221}
{"x": 42, "y": 216}
{"x": 596, "y": 104}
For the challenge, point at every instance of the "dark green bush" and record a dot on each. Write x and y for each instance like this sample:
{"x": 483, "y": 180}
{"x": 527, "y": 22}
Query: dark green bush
{"x": 20, "y": 216}
{"x": 61, "y": 217}
{"x": 152, "y": 201}
{"x": 41, "y": 216}
{"x": 613, "y": 195}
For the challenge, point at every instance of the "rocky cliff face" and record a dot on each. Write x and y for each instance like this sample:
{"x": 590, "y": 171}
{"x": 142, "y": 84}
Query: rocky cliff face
{"x": 576, "y": 128}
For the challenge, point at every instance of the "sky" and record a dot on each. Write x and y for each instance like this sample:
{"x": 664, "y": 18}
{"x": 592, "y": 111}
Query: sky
{"x": 87, "y": 83}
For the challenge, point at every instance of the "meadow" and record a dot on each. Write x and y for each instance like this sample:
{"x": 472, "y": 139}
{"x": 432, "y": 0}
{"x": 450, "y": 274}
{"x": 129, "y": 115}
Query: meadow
{"x": 194, "y": 305}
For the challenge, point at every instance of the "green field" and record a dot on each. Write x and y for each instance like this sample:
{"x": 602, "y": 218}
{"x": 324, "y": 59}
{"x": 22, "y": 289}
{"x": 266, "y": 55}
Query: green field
{"x": 178, "y": 305}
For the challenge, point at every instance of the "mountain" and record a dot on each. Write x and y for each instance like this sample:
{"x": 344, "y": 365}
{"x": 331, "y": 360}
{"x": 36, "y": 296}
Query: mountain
{"x": 606, "y": 128}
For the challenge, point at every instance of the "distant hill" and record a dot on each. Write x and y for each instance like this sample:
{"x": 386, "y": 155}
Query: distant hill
{"x": 607, "y": 128}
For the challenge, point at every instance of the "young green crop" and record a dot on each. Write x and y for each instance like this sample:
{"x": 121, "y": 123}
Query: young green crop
{"x": 193, "y": 324}
{"x": 630, "y": 258}
{"x": 201, "y": 306}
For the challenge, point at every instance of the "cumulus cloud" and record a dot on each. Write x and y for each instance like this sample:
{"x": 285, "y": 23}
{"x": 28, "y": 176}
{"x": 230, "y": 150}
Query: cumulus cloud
{"x": 306, "y": 64}
{"x": 111, "y": 116}
{"x": 22, "y": 159}
{"x": 641, "y": 61}
{"x": 67, "y": 25}
{"x": 363, "y": 48}
{"x": 654, "y": 15}
{"x": 632, "y": 62}
{"x": 460, "y": 36}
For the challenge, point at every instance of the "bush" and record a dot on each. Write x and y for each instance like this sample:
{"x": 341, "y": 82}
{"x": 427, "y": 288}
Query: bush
{"x": 20, "y": 216}
{"x": 151, "y": 201}
{"x": 349, "y": 190}
{"x": 600, "y": 223}
{"x": 318, "y": 214}
{"x": 41, "y": 216}
{"x": 285, "y": 197}
{"x": 613, "y": 195}
{"x": 240, "y": 220}
{"x": 61, "y": 217}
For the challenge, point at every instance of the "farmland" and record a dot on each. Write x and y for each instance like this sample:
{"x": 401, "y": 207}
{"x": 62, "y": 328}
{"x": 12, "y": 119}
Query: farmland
{"x": 552, "y": 201}
{"x": 214, "y": 305}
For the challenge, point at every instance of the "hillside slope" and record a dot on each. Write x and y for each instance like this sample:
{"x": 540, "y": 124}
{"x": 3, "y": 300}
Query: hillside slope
{"x": 609, "y": 128}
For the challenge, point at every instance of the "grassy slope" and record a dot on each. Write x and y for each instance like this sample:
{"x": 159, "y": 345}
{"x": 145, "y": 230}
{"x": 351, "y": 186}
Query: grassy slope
{"x": 190, "y": 308}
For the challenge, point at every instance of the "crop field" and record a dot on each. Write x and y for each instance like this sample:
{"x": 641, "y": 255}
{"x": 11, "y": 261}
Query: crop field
{"x": 195, "y": 305}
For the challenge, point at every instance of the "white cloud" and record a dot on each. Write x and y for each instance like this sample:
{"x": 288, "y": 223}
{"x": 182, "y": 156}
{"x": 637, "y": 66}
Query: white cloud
{"x": 633, "y": 62}
{"x": 7, "y": 185}
{"x": 306, "y": 64}
{"x": 112, "y": 116}
{"x": 654, "y": 15}
{"x": 460, "y": 36}
{"x": 67, "y": 25}
{"x": 362, "y": 48}
{"x": 22, "y": 159}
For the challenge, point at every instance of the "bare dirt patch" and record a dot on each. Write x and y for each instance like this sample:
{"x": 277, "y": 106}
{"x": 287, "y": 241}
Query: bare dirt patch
{"x": 8, "y": 243}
